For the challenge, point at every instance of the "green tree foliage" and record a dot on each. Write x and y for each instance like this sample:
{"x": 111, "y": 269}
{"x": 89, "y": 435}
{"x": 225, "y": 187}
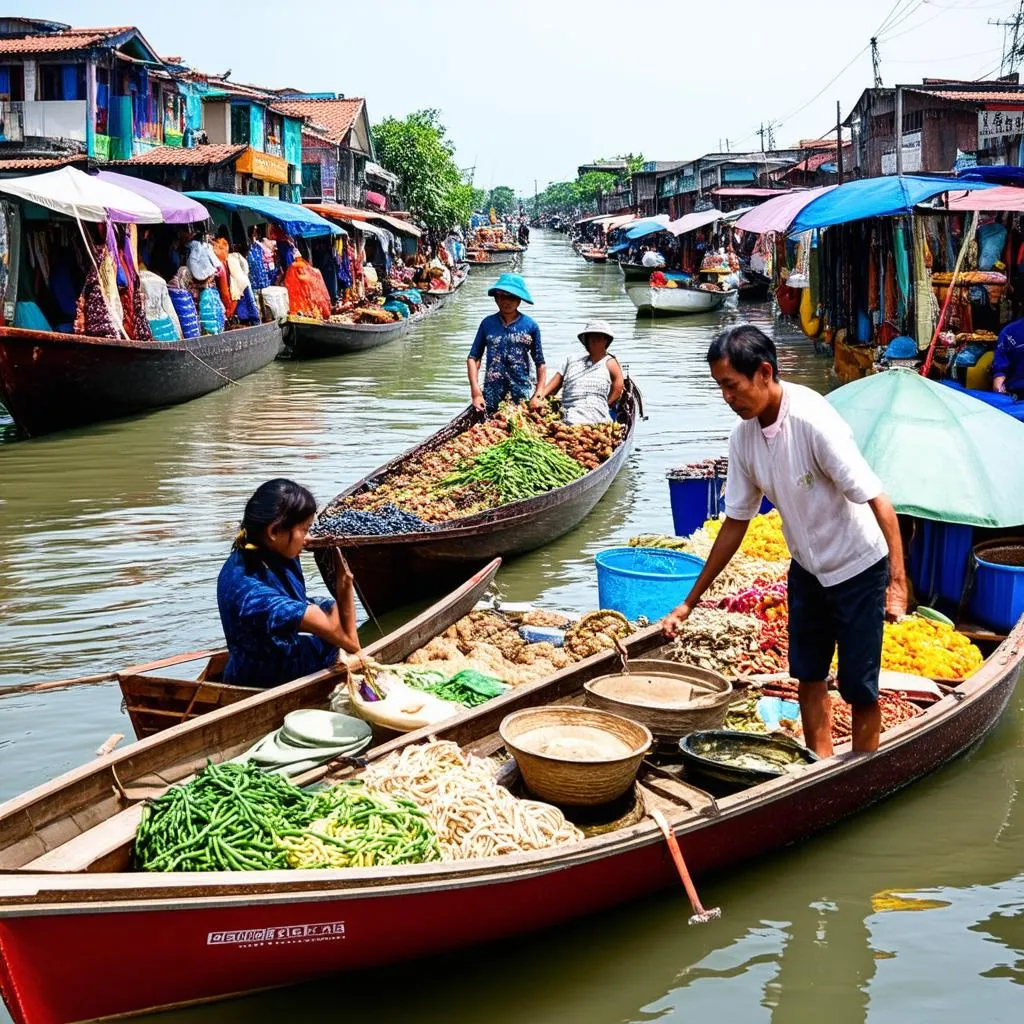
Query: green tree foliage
{"x": 418, "y": 150}
{"x": 593, "y": 184}
{"x": 502, "y": 199}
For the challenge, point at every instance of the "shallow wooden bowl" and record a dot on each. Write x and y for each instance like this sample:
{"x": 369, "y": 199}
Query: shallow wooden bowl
{"x": 667, "y": 697}
{"x": 571, "y": 783}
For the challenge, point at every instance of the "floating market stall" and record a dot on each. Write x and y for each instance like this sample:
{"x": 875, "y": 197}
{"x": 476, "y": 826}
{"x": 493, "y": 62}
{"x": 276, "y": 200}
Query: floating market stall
{"x": 906, "y": 425}
{"x": 474, "y": 491}
{"x": 97, "y": 332}
{"x": 167, "y": 852}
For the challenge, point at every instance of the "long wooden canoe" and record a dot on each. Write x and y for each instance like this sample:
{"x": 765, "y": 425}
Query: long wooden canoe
{"x": 307, "y": 339}
{"x": 396, "y": 569}
{"x": 156, "y": 701}
{"x": 52, "y": 381}
{"x": 164, "y": 940}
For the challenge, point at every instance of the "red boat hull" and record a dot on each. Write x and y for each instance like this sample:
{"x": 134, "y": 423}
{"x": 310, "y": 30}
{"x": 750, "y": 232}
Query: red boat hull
{"x": 217, "y": 938}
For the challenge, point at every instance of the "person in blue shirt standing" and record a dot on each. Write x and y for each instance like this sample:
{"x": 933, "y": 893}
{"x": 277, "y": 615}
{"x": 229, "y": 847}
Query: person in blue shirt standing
{"x": 274, "y": 632}
{"x": 511, "y": 340}
{"x": 1008, "y": 363}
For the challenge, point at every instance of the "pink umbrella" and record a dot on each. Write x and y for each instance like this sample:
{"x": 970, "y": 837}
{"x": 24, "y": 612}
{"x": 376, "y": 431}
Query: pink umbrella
{"x": 777, "y": 214}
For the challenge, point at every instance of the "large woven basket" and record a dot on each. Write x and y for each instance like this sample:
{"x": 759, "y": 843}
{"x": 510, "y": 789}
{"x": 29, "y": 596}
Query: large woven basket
{"x": 576, "y": 783}
{"x": 668, "y": 698}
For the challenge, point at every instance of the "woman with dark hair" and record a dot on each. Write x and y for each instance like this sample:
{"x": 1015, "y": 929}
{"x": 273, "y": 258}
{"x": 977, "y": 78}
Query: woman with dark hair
{"x": 273, "y": 630}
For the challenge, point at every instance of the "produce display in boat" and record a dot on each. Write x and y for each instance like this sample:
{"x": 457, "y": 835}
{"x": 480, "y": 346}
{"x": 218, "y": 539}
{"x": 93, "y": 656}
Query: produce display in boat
{"x": 517, "y": 454}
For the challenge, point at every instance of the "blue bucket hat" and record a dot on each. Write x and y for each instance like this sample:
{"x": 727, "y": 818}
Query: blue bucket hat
{"x": 513, "y": 284}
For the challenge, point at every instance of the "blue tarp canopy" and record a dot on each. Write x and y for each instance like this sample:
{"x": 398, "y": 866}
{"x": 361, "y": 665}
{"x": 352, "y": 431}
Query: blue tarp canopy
{"x": 999, "y": 174}
{"x": 643, "y": 228}
{"x": 295, "y": 220}
{"x": 621, "y": 247}
{"x": 875, "y": 197}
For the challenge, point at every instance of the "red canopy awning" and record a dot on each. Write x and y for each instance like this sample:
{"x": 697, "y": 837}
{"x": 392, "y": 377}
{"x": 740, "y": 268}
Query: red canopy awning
{"x": 376, "y": 199}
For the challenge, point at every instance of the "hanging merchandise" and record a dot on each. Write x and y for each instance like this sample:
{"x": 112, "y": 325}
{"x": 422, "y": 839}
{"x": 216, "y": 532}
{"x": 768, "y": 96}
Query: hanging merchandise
{"x": 211, "y": 312}
{"x": 307, "y": 293}
{"x": 185, "y": 307}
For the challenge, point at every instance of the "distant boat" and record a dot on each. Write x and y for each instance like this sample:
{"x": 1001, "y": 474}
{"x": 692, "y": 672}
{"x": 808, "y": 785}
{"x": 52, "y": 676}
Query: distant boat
{"x": 676, "y": 301}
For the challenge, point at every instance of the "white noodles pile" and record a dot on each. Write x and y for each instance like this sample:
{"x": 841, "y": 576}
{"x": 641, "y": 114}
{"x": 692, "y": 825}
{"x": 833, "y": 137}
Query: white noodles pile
{"x": 472, "y": 815}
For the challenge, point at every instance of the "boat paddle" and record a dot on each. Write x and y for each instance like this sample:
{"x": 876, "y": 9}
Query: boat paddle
{"x": 700, "y": 915}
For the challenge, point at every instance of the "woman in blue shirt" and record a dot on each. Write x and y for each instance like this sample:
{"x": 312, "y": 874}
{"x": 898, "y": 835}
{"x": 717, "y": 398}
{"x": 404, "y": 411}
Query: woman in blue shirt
{"x": 274, "y": 632}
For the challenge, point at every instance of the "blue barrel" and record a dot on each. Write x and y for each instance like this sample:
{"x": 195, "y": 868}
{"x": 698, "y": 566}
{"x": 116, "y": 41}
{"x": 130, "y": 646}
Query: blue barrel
{"x": 939, "y": 556}
{"x": 696, "y": 501}
{"x": 647, "y": 582}
{"x": 998, "y": 597}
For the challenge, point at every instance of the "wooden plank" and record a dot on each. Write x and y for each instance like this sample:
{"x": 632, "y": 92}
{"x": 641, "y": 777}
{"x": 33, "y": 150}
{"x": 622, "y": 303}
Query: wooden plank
{"x": 79, "y": 853}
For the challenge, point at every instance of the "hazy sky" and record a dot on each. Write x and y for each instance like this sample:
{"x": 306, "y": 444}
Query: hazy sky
{"x": 530, "y": 89}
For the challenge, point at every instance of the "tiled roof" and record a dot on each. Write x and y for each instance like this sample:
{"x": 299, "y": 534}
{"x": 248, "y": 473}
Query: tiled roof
{"x": 197, "y": 156}
{"x": 40, "y": 163}
{"x": 994, "y": 95}
{"x": 58, "y": 42}
{"x": 333, "y": 119}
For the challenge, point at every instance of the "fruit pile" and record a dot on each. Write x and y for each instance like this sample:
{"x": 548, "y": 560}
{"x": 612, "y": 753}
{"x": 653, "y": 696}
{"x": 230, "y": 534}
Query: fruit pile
{"x": 458, "y": 479}
{"x": 764, "y": 539}
{"x": 926, "y": 648}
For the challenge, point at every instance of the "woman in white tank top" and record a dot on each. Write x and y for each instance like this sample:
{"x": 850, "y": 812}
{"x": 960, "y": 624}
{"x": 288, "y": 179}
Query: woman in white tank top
{"x": 590, "y": 383}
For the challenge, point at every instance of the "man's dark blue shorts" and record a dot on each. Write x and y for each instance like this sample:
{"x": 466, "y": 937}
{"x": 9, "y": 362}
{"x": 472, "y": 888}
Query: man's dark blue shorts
{"x": 849, "y": 615}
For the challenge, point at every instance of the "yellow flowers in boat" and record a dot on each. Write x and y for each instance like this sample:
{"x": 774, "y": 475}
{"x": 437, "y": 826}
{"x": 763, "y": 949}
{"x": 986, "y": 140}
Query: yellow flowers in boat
{"x": 764, "y": 539}
{"x": 928, "y": 648}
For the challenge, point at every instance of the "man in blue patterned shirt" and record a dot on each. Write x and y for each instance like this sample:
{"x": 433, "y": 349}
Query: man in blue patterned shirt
{"x": 511, "y": 340}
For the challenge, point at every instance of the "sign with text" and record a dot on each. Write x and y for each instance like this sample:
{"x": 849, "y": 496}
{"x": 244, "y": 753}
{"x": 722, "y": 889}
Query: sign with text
{"x": 998, "y": 124}
{"x": 911, "y": 155}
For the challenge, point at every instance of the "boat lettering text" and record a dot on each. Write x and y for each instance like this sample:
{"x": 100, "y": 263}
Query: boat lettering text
{"x": 278, "y": 934}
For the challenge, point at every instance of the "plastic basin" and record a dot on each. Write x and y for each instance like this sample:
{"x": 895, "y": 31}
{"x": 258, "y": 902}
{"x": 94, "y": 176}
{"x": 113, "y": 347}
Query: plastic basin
{"x": 647, "y": 582}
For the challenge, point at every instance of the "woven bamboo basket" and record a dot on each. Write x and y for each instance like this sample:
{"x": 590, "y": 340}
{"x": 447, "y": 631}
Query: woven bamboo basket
{"x": 670, "y": 699}
{"x": 569, "y": 783}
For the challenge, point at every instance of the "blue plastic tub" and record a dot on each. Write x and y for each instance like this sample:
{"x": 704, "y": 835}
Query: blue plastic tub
{"x": 644, "y": 581}
{"x": 696, "y": 501}
{"x": 939, "y": 556}
{"x": 997, "y": 600}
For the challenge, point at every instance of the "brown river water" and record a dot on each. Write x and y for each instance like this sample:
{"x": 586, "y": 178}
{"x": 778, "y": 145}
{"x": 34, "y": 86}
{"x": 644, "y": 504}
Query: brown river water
{"x": 111, "y": 538}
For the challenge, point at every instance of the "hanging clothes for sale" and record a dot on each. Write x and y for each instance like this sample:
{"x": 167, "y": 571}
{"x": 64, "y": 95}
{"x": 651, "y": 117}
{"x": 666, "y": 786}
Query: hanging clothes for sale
{"x": 307, "y": 293}
{"x": 211, "y": 312}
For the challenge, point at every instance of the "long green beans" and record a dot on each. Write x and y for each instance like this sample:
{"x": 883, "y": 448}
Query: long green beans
{"x": 522, "y": 466}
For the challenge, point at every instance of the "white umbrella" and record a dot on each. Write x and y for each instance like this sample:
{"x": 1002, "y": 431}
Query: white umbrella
{"x": 83, "y": 196}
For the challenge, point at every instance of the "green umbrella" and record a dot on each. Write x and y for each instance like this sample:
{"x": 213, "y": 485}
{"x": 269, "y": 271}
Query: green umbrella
{"x": 939, "y": 453}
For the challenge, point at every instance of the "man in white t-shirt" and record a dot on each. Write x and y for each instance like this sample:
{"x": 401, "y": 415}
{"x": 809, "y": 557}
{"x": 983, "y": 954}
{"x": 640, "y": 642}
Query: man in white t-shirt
{"x": 847, "y": 571}
{"x": 653, "y": 260}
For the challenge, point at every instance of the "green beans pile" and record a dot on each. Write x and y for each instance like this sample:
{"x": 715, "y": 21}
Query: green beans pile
{"x": 226, "y": 819}
{"x": 362, "y": 830}
{"x": 522, "y": 466}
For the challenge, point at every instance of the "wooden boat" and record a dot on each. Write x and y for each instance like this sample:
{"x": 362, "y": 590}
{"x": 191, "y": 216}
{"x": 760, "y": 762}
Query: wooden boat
{"x": 154, "y": 701}
{"x": 396, "y": 569}
{"x": 310, "y": 339}
{"x": 51, "y": 381}
{"x": 437, "y": 298}
{"x": 754, "y": 286}
{"x": 634, "y": 272}
{"x": 676, "y": 301}
{"x": 595, "y": 255}
{"x": 492, "y": 257}
{"x": 157, "y": 940}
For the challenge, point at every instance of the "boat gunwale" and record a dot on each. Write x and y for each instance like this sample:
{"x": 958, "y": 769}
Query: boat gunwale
{"x": 480, "y": 522}
{"x": 118, "y": 888}
{"x": 182, "y": 345}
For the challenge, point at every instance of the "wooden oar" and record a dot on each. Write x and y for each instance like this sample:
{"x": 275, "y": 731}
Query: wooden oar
{"x": 700, "y": 915}
{"x": 57, "y": 684}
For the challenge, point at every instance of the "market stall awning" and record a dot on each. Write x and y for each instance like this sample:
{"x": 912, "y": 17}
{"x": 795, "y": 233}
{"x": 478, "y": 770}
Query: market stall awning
{"x": 693, "y": 222}
{"x": 777, "y": 214}
{"x": 296, "y": 220}
{"x": 988, "y": 200}
{"x": 619, "y": 221}
{"x": 906, "y": 424}
{"x": 750, "y": 193}
{"x": 76, "y": 194}
{"x": 875, "y": 197}
{"x": 650, "y": 226}
{"x": 354, "y": 216}
{"x": 176, "y": 207}
{"x": 998, "y": 174}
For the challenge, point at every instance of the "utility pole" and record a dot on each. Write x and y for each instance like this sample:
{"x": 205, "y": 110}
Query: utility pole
{"x": 839, "y": 144}
{"x": 876, "y": 63}
{"x": 898, "y": 125}
{"x": 1012, "y": 40}
{"x": 761, "y": 132}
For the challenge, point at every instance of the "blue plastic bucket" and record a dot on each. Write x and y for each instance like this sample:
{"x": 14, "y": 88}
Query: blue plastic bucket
{"x": 998, "y": 597}
{"x": 696, "y": 501}
{"x": 644, "y": 581}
